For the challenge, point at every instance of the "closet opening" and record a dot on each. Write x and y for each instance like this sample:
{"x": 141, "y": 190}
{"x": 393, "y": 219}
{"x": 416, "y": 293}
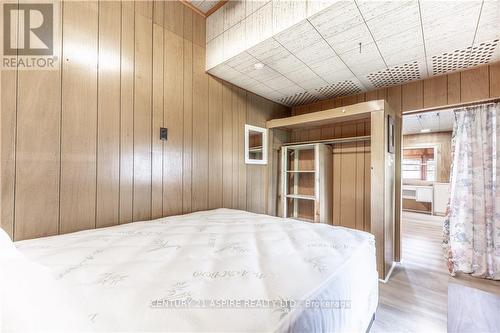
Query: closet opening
{"x": 426, "y": 159}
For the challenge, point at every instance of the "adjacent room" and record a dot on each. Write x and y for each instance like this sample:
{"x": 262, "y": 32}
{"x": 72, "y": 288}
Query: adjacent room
{"x": 250, "y": 166}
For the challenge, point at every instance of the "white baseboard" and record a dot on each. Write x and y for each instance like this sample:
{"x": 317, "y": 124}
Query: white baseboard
{"x": 389, "y": 274}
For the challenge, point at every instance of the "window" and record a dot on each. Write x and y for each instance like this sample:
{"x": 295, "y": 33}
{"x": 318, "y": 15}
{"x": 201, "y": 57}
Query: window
{"x": 419, "y": 164}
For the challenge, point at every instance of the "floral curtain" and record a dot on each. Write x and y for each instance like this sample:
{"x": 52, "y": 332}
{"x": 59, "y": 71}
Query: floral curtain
{"x": 472, "y": 225}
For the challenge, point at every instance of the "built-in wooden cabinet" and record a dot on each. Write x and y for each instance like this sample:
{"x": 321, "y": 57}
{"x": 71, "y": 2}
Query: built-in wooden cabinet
{"x": 305, "y": 177}
{"x": 356, "y": 162}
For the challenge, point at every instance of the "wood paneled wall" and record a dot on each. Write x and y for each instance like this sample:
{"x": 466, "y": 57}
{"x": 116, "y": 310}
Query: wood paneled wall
{"x": 80, "y": 145}
{"x": 442, "y": 141}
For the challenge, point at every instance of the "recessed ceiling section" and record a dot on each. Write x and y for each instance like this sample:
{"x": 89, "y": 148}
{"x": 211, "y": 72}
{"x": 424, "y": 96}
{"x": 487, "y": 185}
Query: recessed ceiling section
{"x": 428, "y": 122}
{"x": 312, "y": 50}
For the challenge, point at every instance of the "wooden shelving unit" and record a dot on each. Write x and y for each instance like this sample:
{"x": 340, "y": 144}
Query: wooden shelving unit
{"x": 306, "y": 167}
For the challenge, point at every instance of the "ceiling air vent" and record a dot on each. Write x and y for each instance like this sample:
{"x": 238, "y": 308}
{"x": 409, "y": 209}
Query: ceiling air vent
{"x": 464, "y": 58}
{"x": 299, "y": 99}
{"x": 395, "y": 75}
{"x": 343, "y": 88}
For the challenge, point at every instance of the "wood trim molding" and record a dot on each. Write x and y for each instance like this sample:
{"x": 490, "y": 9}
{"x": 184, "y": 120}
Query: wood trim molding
{"x": 351, "y": 112}
{"x": 216, "y": 7}
{"x": 194, "y": 8}
{"x": 202, "y": 13}
{"x": 453, "y": 106}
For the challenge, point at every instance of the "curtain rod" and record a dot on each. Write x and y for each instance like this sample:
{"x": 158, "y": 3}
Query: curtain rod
{"x": 453, "y": 106}
{"x": 330, "y": 141}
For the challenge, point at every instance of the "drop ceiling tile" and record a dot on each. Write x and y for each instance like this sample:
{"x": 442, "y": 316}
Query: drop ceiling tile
{"x": 215, "y": 24}
{"x": 489, "y": 23}
{"x": 312, "y": 84}
{"x": 261, "y": 75}
{"x": 241, "y": 60}
{"x": 260, "y": 89}
{"x": 302, "y": 75}
{"x": 404, "y": 19}
{"x": 374, "y": 9}
{"x": 291, "y": 90}
{"x": 266, "y": 49}
{"x": 327, "y": 64}
{"x": 402, "y": 48}
{"x": 316, "y": 53}
{"x": 399, "y": 74}
{"x": 449, "y": 25}
{"x": 298, "y": 37}
{"x": 366, "y": 61}
{"x": 336, "y": 75}
{"x": 259, "y": 25}
{"x": 215, "y": 52}
{"x": 275, "y": 95}
{"x": 287, "y": 13}
{"x": 245, "y": 82}
{"x": 340, "y": 88}
{"x": 339, "y": 17}
{"x": 253, "y": 5}
{"x": 279, "y": 82}
{"x": 234, "y": 40}
{"x": 430, "y": 121}
{"x": 349, "y": 40}
{"x": 234, "y": 11}
{"x": 316, "y": 6}
{"x": 225, "y": 72}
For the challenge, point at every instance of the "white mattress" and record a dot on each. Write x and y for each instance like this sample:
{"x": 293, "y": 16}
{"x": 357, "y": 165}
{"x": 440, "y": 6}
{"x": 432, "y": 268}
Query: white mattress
{"x": 129, "y": 276}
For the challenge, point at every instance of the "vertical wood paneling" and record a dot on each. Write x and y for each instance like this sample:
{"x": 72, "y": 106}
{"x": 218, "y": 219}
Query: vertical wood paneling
{"x": 142, "y": 115}
{"x": 37, "y": 156}
{"x": 158, "y": 93}
{"x": 413, "y": 96}
{"x": 242, "y": 170}
{"x": 474, "y": 84}
{"x": 453, "y": 88}
{"x": 200, "y": 131}
{"x": 495, "y": 80}
{"x": 188, "y": 23}
{"x": 108, "y": 111}
{"x": 359, "y": 186}
{"x": 227, "y": 145}
{"x": 214, "y": 143}
{"x": 98, "y": 160}
{"x": 436, "y": 91}
{"x": 199, "y": 30}
{"x": 188, "y": 127}
{"x": 8, "y": 124}
{"x": 174, "y": 17}
{"x": 127, "y": 112}
{"x": 174, "y": 121}
{"x": 79, "y": 116}
{"x": 8, "y": 149}
{"x": 348, "y": 167}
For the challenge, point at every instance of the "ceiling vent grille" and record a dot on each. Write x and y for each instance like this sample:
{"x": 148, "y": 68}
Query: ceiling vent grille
{"x": 395, "y": 75}
{"x": 304, "y": 97}
{"x": 464, "y": 58}
{"x": 343, "y": 88}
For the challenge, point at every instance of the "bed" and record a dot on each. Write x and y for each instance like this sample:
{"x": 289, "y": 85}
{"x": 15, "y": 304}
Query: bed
{"x": 216, "y": 271}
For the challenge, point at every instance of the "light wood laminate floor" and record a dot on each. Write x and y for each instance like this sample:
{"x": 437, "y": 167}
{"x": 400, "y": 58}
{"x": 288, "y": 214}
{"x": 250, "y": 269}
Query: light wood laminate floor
{"x": 415, "y": 297}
